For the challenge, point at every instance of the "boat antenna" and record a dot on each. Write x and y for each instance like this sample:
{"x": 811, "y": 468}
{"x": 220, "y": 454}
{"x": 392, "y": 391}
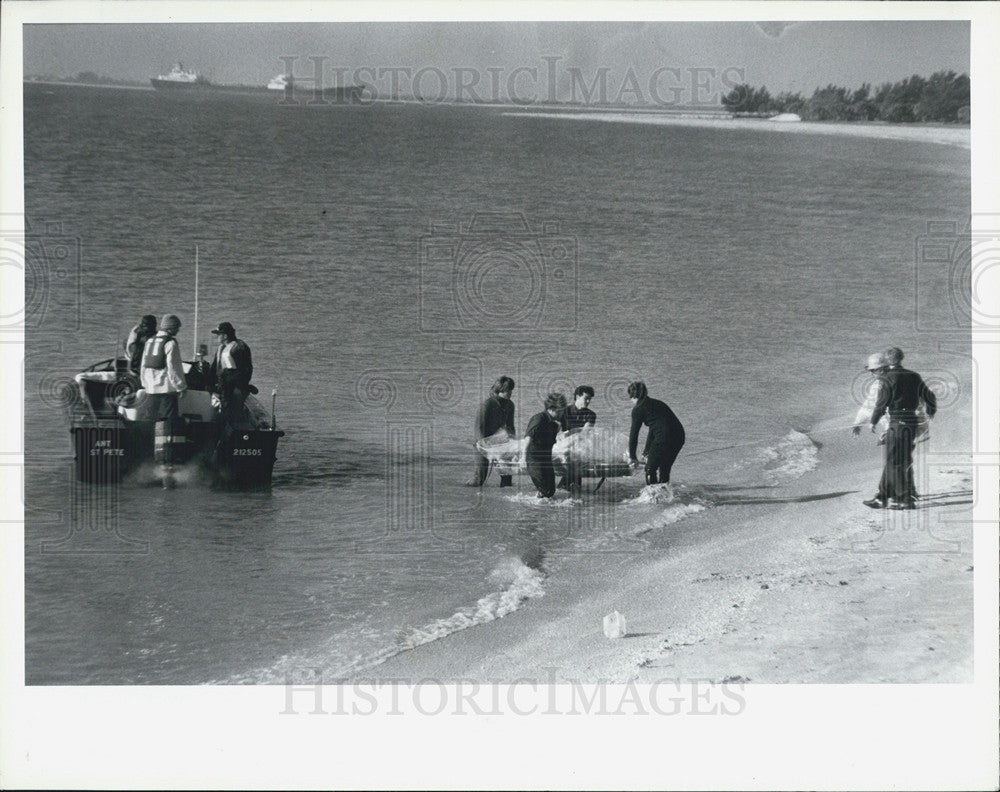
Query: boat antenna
{"x": 194, "y": 354}
{"x": 274, "y": 420}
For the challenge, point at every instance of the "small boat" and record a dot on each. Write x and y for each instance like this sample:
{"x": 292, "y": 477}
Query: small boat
{"x": 114, "y": 436}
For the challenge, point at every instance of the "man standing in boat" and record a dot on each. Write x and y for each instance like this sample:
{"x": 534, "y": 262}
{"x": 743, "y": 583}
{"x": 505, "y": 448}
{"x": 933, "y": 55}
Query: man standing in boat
{"x": 137, "y": 339}
{"x": 230, "y": 373}
{"x": 161, "y": 371}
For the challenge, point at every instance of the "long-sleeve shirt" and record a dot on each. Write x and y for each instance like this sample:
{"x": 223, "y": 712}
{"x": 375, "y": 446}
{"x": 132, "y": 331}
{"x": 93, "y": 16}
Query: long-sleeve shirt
{"x": 541, "y": 433}
{"x": 664, "y": 428}
{"x": 900, "y": 394}
{"x": 170, "y": 378}
{"x": 495, "y": 414}
{"x": 232, "y": 356}
{"x": 574, "y": 417}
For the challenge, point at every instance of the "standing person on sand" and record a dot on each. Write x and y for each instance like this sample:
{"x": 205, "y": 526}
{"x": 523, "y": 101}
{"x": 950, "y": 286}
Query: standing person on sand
{"x": 542, "y": 430}
{"x": 901, "y": 392}
{"x": 664, "y": 439}
{"x": 496, "y": 413}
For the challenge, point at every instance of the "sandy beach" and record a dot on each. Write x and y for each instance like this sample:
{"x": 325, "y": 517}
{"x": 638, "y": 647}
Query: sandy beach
{"x": 795, "y": 583}
{"x": 924, "y": 133}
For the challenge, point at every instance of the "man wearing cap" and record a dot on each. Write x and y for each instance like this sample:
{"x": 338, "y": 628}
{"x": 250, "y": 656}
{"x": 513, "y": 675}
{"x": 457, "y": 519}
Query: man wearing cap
{"x": 230, "y": 373}
{"x": 161, "y": 371}
{"x": 901, "y": 394}
{"x": 877, "y": 366}
{"x": 137, "y": 339}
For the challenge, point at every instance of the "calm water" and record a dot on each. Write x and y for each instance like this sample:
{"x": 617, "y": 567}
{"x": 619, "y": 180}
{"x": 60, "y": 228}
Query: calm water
{"x": 743, "y": 275}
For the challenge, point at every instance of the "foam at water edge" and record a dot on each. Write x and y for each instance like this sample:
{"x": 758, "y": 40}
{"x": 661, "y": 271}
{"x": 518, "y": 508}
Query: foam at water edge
{"x": 532, "y": 499}
{"x": 520, "y": 583}
{"x": 668, "y": 516}
{"x": 792, "y": 457}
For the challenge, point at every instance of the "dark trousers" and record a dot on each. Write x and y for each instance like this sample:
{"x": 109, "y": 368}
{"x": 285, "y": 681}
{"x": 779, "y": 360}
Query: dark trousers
{"x": 659, "y": 460}
{"x": 897, "y": 475}
{"x": 543, "y": 475}
{"x": 573, "y": 477}
{"x": 483, "y": 470}
{"x": 164, "y": 406}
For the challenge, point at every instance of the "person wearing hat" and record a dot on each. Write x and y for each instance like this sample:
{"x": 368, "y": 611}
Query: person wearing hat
{"x": 876, "y": 365}
{"x": 137, "y": 339}
{"x": 161, "y": 371}
{"x": 901, "y": 395}
{"x": 230, "y": 373}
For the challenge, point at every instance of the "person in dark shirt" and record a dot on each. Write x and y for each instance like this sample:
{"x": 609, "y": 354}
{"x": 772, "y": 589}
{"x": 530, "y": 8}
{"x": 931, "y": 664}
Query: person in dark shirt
{"x": 541, "y": 433}
{"x": 900, "y": 394}
{"x": 496, "y": 413}
{"x": 137, "y": 339}
{"x": 664, "y": 438}
{"x": 572, "y": 419}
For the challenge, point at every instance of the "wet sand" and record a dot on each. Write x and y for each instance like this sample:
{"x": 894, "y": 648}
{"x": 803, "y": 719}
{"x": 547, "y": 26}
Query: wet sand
{"x": 799, "y": 583}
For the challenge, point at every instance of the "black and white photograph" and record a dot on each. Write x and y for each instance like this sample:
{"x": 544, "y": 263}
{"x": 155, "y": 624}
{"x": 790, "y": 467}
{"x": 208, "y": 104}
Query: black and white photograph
{"x": 402, "y": 373}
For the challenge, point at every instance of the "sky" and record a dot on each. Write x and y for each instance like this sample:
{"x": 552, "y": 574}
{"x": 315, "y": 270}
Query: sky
{"x": 663, "y": 57}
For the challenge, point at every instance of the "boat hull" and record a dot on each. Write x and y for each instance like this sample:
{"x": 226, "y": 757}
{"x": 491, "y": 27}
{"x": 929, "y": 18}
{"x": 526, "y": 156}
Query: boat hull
{"x": 109, "y": 447}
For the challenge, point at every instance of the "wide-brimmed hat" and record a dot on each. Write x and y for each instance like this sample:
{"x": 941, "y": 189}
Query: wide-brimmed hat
{"x": 224, "y": 328}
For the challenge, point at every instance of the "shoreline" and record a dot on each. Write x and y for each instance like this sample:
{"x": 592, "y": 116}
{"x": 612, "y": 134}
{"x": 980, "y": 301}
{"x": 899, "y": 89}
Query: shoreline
{"x": 923, "y": 133}
{"x": 798, "y": 583}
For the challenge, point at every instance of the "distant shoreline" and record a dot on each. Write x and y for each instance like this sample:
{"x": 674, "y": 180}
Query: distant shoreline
{"x": 928, "y": 132}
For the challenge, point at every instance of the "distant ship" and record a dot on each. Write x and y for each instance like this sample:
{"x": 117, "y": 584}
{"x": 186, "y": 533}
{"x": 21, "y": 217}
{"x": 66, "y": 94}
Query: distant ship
{"x": 182, "y": 81}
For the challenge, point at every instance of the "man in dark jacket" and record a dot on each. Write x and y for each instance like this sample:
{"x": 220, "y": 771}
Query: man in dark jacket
{"x": 542, "y": 430}
{"x": 230, "y": 373}
{"x": 137, "y": 339}
{"x": 900, "y": 394}
{"x": 496, "y": 413}
{"x": 573, "y": 418}
{"x": 664, "y": 438}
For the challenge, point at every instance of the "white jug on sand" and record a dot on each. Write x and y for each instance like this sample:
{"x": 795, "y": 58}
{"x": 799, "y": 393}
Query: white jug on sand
{"x": 614, "y": 625}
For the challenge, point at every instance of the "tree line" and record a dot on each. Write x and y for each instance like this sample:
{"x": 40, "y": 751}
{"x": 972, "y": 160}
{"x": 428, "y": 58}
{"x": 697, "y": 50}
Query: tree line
{"x": 942, "y": 97}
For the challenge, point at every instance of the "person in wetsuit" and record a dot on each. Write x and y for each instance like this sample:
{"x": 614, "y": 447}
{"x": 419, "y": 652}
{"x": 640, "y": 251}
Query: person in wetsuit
{"x": 664, "y": 438}
{"x": 542, "y": 430}
{"x": 572, "y": 419}
{"x": 496, "y": 413}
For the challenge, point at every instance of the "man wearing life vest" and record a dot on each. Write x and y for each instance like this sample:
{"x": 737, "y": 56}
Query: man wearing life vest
{"x": 161, "y": 371}
{"x": 230, "y": 373}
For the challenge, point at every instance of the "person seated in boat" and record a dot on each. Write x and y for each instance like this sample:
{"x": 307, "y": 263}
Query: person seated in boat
{"x": 229, "y": 374}
{"x": 137, "y": 339}
{"x": 161, "y": 371}
{"x": 573, "y": 419}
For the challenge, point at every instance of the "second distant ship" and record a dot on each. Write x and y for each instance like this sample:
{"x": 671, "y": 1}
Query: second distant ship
{"x": 181, "y": 81}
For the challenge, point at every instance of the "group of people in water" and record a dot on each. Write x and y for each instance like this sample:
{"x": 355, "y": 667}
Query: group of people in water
{"x": 899, "y": 396}
{"x": 154, "y": 356}
{"x": 664, "y": 438}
